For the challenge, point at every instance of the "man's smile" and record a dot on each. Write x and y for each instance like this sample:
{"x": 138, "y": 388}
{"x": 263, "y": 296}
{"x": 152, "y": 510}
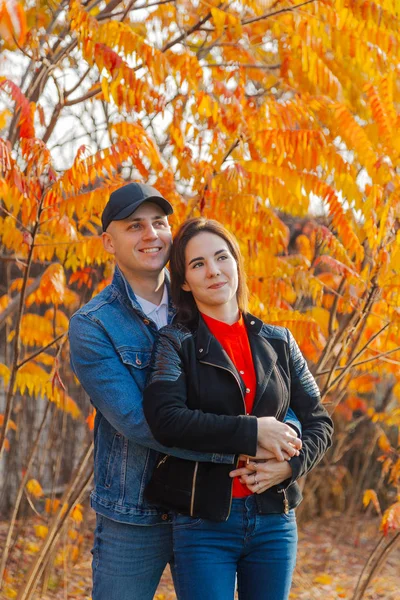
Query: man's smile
{"x": 150, "y": 250}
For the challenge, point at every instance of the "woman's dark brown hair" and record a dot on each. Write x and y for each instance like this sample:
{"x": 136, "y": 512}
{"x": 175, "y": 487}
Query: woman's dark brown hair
{"x": 184, "y": 301}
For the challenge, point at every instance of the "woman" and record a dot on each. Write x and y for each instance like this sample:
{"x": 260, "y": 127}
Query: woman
{"x": 222, "y": 379}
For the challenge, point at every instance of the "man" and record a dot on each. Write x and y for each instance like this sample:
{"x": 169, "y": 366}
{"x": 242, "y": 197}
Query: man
{"x": 111, "y": 340}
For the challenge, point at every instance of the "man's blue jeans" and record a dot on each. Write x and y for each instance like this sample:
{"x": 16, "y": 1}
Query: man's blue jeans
{"x": 128, "y": 560}
{"x": 259, "y": 549}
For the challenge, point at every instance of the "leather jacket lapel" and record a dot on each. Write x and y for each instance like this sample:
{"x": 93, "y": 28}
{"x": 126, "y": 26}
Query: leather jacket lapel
{"x": 209, "y": 350}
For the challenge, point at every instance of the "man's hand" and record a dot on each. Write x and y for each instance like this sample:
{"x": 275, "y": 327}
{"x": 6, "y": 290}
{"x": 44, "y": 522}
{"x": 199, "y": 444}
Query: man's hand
{"x": 278, "y": 438}
{"x": 261, "y": 476}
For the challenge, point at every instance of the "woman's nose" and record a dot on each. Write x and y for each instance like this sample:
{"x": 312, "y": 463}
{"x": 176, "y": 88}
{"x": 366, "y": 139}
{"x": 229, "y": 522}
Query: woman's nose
{"x": 212, "y": 270}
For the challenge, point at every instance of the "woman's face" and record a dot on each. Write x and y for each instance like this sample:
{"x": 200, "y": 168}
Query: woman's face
{"x": 211, "y": 272}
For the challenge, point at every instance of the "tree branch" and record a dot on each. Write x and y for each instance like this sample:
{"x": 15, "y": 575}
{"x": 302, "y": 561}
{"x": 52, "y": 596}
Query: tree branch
{"x": 277, "y": 12}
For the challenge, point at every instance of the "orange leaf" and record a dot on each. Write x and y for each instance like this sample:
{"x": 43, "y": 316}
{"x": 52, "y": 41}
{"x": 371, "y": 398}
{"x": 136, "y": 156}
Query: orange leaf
{"x": 12, "y": 22}
{"x": 90, "y": 419}
{"x": 391, "y": 518}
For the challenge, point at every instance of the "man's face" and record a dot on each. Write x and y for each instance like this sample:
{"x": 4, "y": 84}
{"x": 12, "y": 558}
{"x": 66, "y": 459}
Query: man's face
{"x": 141, "y": 243}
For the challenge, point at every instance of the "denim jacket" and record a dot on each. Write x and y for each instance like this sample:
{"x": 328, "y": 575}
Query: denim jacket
{"x": 111, "y": 342}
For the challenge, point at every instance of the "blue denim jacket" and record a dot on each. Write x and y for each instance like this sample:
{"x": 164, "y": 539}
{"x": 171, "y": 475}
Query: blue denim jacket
{"x": 111, "y": 342}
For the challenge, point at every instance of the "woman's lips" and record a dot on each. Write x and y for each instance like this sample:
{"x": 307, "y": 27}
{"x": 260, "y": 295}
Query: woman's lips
{"x": 216, "y": 286}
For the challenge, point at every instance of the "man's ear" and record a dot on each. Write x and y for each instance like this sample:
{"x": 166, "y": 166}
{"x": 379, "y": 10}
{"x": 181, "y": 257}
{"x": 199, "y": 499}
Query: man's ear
{"x": 185, "y": 287}
{"x": 108, "y": 242}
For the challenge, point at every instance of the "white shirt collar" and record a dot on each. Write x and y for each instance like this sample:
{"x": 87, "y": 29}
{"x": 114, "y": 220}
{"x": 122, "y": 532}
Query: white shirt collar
{"x": 149, "y": 307}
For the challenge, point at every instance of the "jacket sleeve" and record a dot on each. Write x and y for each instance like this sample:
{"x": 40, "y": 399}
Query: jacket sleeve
{"x": 305, "y": 400}
{"x": 113, "y": 390}
{"x": 173, "y": 423}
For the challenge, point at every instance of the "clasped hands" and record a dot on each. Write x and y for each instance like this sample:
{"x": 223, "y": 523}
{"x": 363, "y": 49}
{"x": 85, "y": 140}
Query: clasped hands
{"x": 277, "y": 444}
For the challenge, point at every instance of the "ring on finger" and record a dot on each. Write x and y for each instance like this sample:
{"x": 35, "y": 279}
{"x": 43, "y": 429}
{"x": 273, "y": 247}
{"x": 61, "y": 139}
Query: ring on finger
{"x": 255, "y": 479}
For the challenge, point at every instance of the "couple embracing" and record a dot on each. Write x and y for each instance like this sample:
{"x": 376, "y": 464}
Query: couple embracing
{"x": 202, "y": 428}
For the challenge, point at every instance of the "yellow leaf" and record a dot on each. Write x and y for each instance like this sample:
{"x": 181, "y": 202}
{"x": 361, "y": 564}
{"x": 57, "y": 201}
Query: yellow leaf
{"x": 4, "y": 116}
{"x": 384, "y": 443}
{"x": 205, "y": 108}
{"x": 76, "y": 515}
{"x": 235, "y": 26}
{"x": 370, "y": 496}
{"x": 322, "y": 316}
{"x": 74, "y": 553}
{"x": 41, "y": 531}
{"x": 32, "y": 548}
{"x": 72, "y": 534}
{"x": 219, "y": 18}
{"x": 5, "y": 373}
{"x": 34, "y": 488}
{"x": 10, "y": 592}
{"x": 60, "y": 557}
{"x": 323, "y": 579}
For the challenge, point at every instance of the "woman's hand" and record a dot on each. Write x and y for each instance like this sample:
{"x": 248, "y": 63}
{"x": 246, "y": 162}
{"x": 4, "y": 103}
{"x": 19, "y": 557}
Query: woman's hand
{"x": 278, "y": 438}
{"x": 261, "y": 476}
{"x": 263, "y": 454}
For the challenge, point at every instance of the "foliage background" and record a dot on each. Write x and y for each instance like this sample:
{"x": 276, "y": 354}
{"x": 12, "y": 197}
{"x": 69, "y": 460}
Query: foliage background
{"x": 278, "y": 118}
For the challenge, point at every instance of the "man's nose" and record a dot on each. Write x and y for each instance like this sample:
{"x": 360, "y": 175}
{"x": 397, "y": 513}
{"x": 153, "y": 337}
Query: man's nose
{"x": 150, "y": 233}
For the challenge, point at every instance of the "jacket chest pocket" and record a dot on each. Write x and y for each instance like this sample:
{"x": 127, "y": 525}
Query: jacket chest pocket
{"x": 137, "y": 362}
{"x": 138, "y": 359}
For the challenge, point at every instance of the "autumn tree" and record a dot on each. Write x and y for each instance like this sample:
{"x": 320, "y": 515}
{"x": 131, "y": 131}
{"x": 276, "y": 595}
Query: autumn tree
{"x": 277, "y": 118}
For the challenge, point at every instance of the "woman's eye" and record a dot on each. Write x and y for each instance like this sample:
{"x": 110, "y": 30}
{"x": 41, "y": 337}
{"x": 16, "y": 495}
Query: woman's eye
{"x": 222, "y": 257}
{"x": 199, "y": 264}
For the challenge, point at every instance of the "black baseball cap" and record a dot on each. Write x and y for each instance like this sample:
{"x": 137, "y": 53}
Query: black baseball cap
{"x": 126, "y": 199}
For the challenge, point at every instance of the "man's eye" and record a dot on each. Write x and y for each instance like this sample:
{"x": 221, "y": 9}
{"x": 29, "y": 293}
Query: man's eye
{"x": 160, "y": 224}
{"x": 134, "y": 226}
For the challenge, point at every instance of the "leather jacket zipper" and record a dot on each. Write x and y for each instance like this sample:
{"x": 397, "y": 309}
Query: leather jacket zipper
{"x": 285, "y": 501}
{"x": 245, "y": 412}
{"x": 193, "y": 489}
{"x": 162, "y": 461}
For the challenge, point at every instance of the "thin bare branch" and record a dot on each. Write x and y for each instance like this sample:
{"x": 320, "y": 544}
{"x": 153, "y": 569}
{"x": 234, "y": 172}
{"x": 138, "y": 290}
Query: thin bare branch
{"x": 277, "y": 12}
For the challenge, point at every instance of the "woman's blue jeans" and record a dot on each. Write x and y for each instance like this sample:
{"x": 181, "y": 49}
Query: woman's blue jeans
{"x": 259, "y": 549}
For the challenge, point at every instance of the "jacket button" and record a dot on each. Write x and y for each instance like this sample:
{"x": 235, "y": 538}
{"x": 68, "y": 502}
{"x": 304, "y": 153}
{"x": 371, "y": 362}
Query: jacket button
{"x": 252, "y": 322}
{"x": 146, "y": 321}
{"x": 165, "y": 517}
{"x": 200, "y": 349}
{"x": 138, "y": 361}
{"x": 247, "y": 390}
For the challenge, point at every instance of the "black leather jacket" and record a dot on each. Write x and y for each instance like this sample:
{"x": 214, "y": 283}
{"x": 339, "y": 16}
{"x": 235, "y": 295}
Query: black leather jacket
{"x": 194, "y": 399}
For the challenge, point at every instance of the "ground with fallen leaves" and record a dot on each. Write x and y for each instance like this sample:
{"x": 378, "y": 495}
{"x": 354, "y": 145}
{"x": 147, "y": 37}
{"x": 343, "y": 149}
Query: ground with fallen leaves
{"x": 332, "y": 552}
